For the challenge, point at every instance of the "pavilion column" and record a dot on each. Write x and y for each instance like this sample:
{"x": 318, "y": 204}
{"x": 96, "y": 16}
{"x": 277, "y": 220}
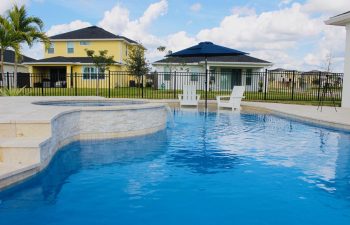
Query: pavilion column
{"x": 346, "y": 80}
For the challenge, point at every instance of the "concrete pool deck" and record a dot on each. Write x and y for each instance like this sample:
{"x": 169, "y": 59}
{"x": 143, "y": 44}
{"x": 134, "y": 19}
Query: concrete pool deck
{"x": 328, "y": 116}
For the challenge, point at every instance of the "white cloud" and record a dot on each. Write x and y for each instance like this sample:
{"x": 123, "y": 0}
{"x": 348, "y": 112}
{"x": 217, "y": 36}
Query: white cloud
{"x": 327, "y": 6}
{"x": 331, "y": 43}
{"x": 270, "y": 30}
{"x": 243, "y": 11}
{"x": 196, "y": 7}
{"x": 7, "y": 4}
{"x": 63, "y": 28}
{"x": 117, "y": 21}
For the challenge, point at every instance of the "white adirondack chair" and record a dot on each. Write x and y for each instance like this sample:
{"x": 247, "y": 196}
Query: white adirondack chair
{"x": 189, "y": 96}
{"x": 235, "y": 99}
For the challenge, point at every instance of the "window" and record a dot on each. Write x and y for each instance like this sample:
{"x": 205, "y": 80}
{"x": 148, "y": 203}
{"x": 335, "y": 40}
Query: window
{"x": 90, "y": 73}
{"x": 212, "y": 73}
{"x": 51, "y": 49}
{"x": 248, "y": 78}
{"x": 194, "y": 76}
{"x": 70, "y": 47}
{"x": 167, "y": 74}
{"x": 85, "y": 43}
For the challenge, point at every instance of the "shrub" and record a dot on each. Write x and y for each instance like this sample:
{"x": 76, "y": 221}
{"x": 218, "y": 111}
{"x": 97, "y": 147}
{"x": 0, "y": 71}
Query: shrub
{"x": 12, "y": 91}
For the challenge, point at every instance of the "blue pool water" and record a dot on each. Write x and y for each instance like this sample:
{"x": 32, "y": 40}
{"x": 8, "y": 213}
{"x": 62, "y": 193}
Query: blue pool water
{"x": 219, "y": 169}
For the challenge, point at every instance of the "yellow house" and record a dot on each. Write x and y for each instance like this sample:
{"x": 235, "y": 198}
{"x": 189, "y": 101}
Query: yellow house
{"x": 66, "y": 64}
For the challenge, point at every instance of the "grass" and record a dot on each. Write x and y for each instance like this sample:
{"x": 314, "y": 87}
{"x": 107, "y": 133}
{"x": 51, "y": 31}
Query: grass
{"x": 309, "y": 97}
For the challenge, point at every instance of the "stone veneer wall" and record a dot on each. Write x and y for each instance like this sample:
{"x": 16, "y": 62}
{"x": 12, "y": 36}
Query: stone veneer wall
{"x": 101, "y": 124}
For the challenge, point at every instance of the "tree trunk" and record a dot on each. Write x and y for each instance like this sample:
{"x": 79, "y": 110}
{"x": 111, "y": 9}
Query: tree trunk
{"x": 2, "y": 66}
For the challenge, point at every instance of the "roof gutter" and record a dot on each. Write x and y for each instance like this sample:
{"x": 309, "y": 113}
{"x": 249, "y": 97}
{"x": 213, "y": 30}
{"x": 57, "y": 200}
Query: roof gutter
{"x": 341, "y": 20}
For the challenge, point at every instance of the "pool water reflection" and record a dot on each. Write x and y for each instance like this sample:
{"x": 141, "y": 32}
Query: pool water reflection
{"x": 225, "y": 168}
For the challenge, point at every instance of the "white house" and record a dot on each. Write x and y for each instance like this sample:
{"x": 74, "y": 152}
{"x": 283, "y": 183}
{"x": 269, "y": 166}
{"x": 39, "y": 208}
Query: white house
{"x": 344, "y": 20}
{"x": 224, "y": 72}
{"x": 9, "y": 67}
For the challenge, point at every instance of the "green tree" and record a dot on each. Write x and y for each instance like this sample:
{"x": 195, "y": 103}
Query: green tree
{"x": 28, "y": 29}
{"x": 8, "y": 39}
{"x": 102, "y": 62}
{"x": 136, "y": 63}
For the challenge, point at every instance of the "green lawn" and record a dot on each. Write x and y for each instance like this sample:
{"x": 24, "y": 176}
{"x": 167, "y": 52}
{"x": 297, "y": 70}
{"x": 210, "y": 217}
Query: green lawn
{"x": 273, "y": 95}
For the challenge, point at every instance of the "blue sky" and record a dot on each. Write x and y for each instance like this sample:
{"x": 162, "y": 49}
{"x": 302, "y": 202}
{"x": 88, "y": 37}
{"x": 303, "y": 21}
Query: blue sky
{"x": 289, "y": 33}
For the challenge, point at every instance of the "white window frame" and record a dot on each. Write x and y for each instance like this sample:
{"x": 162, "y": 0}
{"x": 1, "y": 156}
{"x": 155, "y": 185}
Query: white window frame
{"x": 84, "y": 43}
{"x": 92, "y": 73}
{"x": 51, "y": 49}
{"x": 70, "y": 45}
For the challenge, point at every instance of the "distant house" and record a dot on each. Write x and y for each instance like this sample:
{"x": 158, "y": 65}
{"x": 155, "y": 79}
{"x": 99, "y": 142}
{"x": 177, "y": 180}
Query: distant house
{"x": 9, "y": 66}
{"x": 344, "y": 20}
{"x": 224, "y": 71}
{"x": 67, "y": 56}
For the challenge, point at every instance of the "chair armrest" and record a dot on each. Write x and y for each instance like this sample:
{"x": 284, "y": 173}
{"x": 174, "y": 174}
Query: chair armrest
{"x": 238, "y": 97}
{"x": 219, "y": 97}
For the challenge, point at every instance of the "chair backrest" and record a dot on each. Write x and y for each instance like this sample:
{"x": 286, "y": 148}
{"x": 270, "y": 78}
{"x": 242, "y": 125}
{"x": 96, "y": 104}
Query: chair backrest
{"x": 237, "y": 91}
{"x": 189, "y": 93}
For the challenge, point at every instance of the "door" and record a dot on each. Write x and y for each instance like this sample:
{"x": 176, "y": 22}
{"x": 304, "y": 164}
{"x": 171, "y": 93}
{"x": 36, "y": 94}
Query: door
{"x": 230, "y": 77}
{"x": 236, "y": 77}
{"x": 58, "y": 77}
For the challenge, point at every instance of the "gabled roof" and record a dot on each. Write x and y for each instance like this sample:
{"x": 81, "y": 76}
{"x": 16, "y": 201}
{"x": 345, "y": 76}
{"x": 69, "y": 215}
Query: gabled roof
{"x": 9, "y": 57}
{"x": 218, "y": 59}
{"x": 339, "y": 20}
{"x": 89, "y": 33}
{"x": 61, "y": 59}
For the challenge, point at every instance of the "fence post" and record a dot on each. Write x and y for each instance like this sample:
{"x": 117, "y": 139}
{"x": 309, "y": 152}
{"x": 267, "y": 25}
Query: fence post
{"x": 293, "y": 86}
{"x": 142, "y": 85}
{"x": 42, "y": 86}
{"x": 319, "y": 86}
{"x": 175, "y": 85}
{"x": 109, "y": 84}
{"x": 75, "y": 84}
{"x": 8, "y": 80}
{"x": 265, "y": 84}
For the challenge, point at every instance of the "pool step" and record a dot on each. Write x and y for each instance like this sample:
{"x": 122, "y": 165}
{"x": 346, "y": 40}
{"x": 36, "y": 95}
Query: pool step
{"x": 17, "y": 130}
{"x": 20, "y": 150}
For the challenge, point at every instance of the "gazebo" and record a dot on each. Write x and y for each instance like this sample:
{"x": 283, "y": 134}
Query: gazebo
{"x": 344, "y": 20}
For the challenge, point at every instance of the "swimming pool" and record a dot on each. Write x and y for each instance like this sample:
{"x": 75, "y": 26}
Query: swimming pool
{"x": 246, "y": 168}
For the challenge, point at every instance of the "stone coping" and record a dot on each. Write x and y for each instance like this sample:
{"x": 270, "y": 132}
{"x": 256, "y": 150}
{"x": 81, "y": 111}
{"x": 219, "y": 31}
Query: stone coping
{"x": 339, "y": 119}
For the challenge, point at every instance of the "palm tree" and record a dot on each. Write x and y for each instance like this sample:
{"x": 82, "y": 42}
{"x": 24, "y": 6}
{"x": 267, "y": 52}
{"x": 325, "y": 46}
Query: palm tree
{"x": 28, "y": 28}
{"x": 8, "y": 39}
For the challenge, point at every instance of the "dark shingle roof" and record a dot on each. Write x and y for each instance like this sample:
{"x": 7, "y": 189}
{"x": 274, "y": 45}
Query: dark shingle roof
{"x": 236, "y": 59}
{"x": 9, "y": 57}
{"x": 92, "y": 32}
{"x": 61, "y": 59}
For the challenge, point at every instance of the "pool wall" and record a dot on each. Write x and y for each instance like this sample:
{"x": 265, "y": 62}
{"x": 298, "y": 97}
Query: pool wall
{"x": 32, "y": 148}
{"x": 101, "y": 124}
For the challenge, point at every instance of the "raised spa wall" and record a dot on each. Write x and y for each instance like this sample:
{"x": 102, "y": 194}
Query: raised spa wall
{"x": 79, "y": 124}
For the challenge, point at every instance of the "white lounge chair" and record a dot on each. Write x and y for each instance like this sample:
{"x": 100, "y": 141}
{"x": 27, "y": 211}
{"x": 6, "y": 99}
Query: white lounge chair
{"x": 234, "y": 101}
{"x": 189, "y": 96}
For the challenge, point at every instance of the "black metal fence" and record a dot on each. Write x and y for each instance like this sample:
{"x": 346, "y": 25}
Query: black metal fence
{"x": 267, "y": 85}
